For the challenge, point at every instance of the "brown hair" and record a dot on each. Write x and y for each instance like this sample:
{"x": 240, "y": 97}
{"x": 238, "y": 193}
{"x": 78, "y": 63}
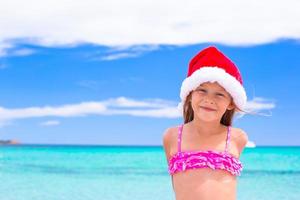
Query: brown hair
{"x": 188, "y": 113}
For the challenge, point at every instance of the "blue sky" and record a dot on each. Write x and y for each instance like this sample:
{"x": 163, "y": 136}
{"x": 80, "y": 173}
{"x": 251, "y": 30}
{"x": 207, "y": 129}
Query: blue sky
{"x": 93, "y": 81}
{"x": 58, "y": 77}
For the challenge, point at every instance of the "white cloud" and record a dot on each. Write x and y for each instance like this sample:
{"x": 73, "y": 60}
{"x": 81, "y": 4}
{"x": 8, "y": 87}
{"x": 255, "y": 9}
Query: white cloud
{"x": 10, "y": 49}
{"x": 118, "y": 52}
{"x": 3, "y": 47}
{"x": 258, "y": 104}
{"x": 114, "y": 106}
{"x": 127, "y": 23}
{"x": 80, "y": 109}
{"x": 50, "y": 123}
{"x": 22, "y": 52}
{"x": 250, "y": 144}
{"x": 117, "y": 106}
{"x": 119, "y": 55}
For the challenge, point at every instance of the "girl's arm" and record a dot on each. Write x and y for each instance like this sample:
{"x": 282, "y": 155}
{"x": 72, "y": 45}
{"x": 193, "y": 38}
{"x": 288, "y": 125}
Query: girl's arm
{"x": 166, "y": 145}
{"x": 241, "y": 140}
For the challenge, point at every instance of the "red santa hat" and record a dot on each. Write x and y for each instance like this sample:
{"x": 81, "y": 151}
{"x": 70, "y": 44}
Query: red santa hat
{"x": 211, "y": 65}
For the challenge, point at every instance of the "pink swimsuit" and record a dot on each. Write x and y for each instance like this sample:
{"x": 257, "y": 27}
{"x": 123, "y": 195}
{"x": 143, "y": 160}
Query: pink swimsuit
{"x": 184, "y": 160}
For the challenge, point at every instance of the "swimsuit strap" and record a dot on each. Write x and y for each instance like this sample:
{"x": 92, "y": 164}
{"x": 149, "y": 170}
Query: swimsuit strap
{"x": 179, "y": 137}
{"x": 227, "y": 139}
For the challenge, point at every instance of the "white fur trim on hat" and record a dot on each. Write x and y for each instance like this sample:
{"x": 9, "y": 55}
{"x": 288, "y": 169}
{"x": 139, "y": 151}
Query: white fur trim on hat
{"x": 212, "y": 74}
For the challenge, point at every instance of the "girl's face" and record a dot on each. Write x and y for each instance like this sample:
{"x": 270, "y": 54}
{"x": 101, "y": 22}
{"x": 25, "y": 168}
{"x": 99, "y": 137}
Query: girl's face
{"x": 212, "y": 96}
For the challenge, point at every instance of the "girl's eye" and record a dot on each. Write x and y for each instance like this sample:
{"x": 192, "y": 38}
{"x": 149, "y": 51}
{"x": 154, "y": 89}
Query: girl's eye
{"x": 220, "y": 94}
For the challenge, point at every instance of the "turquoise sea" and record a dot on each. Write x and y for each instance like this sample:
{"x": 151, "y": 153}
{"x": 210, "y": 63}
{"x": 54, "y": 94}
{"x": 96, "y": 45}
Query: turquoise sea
{"x": 45, "y": 172}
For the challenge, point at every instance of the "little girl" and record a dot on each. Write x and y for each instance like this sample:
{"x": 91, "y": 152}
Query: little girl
{"x": 203, "y": 153}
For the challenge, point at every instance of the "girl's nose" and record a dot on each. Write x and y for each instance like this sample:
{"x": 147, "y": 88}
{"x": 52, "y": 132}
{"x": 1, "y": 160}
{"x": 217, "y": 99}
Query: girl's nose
{"x": 209, "y": 99}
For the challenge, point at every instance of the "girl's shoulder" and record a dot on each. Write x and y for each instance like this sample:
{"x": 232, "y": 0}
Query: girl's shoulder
{"x": 238, "y": 134}
{"x": 170, "y": 134}
{"x": 239, "y": 137}
{"x": 169, "y": 139}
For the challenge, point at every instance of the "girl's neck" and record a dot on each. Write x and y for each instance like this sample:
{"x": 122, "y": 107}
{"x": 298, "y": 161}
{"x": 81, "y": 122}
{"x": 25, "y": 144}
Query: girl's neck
{"x": 207, "y": 128}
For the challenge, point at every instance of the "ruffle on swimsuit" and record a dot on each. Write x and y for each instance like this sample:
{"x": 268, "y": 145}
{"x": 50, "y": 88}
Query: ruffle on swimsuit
{"x": 184, "y": 160}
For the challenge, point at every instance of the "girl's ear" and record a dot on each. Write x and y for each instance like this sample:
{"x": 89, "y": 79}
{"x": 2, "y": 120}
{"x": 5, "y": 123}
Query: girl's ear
{"x": 231, "y": 106}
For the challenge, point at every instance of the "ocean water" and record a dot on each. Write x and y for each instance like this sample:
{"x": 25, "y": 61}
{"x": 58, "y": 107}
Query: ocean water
{"x": 32, "y": 172}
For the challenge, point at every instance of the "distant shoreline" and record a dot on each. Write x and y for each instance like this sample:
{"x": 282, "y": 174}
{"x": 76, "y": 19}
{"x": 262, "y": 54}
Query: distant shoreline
{"x": 9, "y": 142}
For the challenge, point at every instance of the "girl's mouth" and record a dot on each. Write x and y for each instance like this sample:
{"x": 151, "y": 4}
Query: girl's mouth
{"x": 207, "y": 109}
